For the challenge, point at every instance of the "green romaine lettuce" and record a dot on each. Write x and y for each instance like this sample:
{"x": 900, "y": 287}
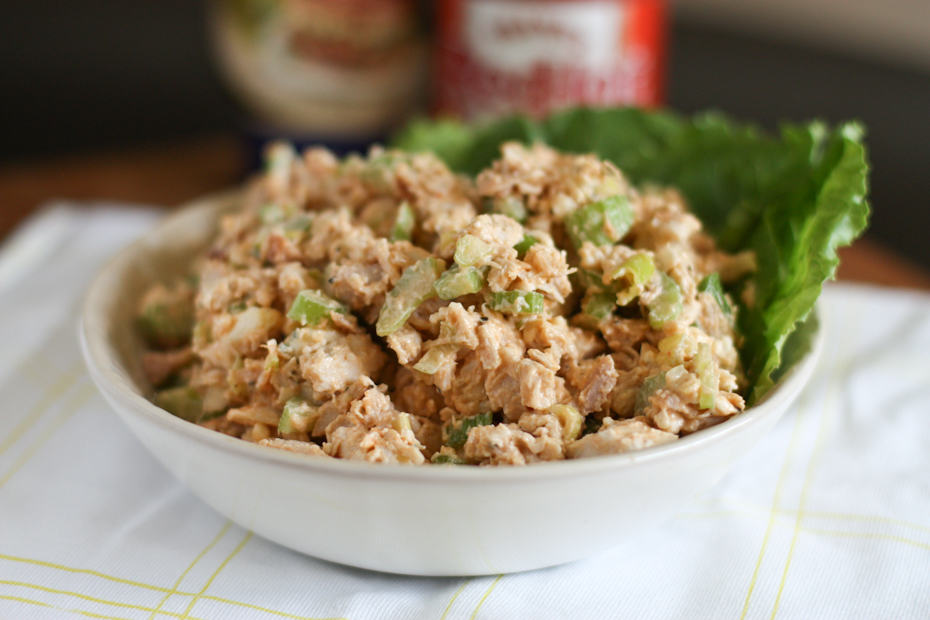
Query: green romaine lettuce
{"x": 793, "y": 198}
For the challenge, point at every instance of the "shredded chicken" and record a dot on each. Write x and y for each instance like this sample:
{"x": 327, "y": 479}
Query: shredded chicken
{"x": 385, "y": 309}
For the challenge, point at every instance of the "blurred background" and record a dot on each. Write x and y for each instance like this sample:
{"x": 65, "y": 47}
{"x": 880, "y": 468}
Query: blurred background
{"x": 100, "y": 76}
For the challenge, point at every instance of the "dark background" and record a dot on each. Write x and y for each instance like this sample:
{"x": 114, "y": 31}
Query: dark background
{"x": 101, "y": 74}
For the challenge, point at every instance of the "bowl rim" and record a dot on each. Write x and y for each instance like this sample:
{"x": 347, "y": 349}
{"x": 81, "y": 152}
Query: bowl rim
{"x": 102, "y": 362}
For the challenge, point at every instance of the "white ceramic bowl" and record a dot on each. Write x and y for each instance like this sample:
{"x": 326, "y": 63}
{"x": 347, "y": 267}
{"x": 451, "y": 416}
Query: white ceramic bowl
{"x": 396, "y": 518}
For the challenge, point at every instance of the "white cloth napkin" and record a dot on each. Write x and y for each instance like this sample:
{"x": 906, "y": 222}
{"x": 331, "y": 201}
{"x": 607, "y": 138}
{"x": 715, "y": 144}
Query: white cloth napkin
{"x": 828, "y": 517}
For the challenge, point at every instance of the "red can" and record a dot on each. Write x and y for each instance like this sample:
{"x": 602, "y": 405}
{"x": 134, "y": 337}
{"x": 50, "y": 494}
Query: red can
{"x": 499, "y": 56}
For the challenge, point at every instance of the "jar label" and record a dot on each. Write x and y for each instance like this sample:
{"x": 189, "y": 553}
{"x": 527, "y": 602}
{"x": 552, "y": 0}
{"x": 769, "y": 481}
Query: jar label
{"x": 498, "y": 56}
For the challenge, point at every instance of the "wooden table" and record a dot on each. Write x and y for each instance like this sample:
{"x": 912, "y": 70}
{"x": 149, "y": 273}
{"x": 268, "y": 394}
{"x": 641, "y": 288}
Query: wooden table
{"x": 171, "y": 174}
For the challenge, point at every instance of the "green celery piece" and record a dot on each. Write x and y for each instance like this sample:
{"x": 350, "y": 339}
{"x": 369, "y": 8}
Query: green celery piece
{"x": 201, "y": 333}
{"x": 413, "y": 288}
{"x": 271, "y": 213}
{"x": 456, "y": 433}
{"x": 602, "y": 222}
{"x": 404, "y": 223}
{"x": 297, "y": 227}
{"x": 272, "y": 361}
{"x": 511, "y": 206}
{"x": 601, "y": 304}
{"x": 706, "y": 370}
{"x": 711, "y": 284}
{"x": 470, "y": 250}
{"x": 167, "y": 325}
{"x": 647, "y": 389}
{"x": 310, "y": 307}
{"x": 378, "y": 172}
{"x": 299, "y": 223}
{"x": 517, "y": 302}
{"x": 571, "y": 420}
{"x": 457, "y": 281}
{"x": 525, "y": 244}
{"x": 429, "y": 363}
{"x": 636, "y": 271}
{"x": 278, "y": 158}
{"x": 446, "y": 459}
{"x": 295, "y": 415}
{"x": 667, "y": 304}
{"x": 183, "y": 401}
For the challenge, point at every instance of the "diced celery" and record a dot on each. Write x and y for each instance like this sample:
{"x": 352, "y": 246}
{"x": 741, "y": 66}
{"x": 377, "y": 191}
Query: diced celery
{"x": 310, "y": 307}
{"x": 211, "y": 415}
{"x": 470, "y": 250}
{"x": 271, "y": 213}
{"x": 667, "y": 304}
{"x": 706, "y": 369}
{"x": 525, "y": 244}
{"x": 167, "y": 323}
{"x": 235, "y": 383}
{"x": 603, "y": 222}
{"x": 184, "y": 402}
{"x": 517, "y": 302}
{"x": 610, "y": 186}
{"x": 457, "y": 281}
{"x": 635, "y": 271}
{"x": 297, "y": 417}
{"x": 201, "y": 334}
{"x": 401, "y": 422}
{"x": 297, "y": 226}
{"x": 301, "y": 222}
{"x": 570, "y": 420}
{"x": 278, "y": 160}
{"x": 272, "y": 361}
{"x": 600, "y": 304}
{"x": 413, "y": 288}
{"x": 678, "y": 346}
{"x": 378, "y": 172}
{"x": 446, "y": 459}
{"x": 404, "y": 223}
{"x": 432, "y": 360}
{"x": 711, "y": 284}
{"x": 511, "y": 206}
{"x": 647, "y": 389}
{"x": 456, "y": 433}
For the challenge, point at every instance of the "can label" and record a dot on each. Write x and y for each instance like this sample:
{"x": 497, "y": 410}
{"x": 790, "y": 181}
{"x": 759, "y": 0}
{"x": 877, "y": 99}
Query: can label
{"x": 498, "y": 56}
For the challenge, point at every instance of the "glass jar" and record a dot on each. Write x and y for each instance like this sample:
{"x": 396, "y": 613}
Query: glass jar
{"x": 341, "y": 71}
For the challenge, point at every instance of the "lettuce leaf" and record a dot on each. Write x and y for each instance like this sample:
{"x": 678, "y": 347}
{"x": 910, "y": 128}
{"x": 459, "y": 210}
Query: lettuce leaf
{"x": 793, "y": 198}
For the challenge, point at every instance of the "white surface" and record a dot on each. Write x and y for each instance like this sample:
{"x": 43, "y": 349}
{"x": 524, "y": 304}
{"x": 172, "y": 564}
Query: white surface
{"x": 826, "y": 517}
